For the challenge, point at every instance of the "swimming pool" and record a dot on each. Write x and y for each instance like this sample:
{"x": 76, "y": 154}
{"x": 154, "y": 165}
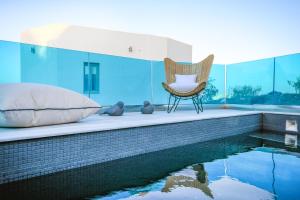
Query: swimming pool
{"x": 238, "y": 167}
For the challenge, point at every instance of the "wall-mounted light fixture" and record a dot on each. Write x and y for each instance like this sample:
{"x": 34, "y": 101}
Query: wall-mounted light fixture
{"x": 32, "y": 50}
{"x": 130, "y": 49}
{"x": 291, "y": 125}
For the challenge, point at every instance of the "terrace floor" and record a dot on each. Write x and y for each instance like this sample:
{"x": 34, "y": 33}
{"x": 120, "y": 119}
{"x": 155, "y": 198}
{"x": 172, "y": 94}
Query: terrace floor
{"x": 104, "y": 122}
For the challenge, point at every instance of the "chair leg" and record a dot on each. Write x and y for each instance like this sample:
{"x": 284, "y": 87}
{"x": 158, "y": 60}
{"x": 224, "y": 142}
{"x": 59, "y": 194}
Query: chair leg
{"x": 200, "y": 102}
{"x": 196, "y": 101}
{"x": 178, "y": 100}
{"x": 196, "y": 104}
{"x": 174, "y": 104}
{"x": 169, "y": 110}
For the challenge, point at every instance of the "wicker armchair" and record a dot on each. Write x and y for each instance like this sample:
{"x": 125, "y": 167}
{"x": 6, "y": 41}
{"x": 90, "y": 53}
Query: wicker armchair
{"x": 202, "y": 70}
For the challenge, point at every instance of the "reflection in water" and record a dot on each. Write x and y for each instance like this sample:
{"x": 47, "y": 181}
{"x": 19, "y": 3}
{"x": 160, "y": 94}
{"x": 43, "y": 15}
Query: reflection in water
{"x": 185, "y": 184}
{"x": 239, "y": 167}
{"x": 273, "y": 173}
{"x": 199, "y": 181}
{"x": 229, "y": 188}
{"x": 248, "y": 176}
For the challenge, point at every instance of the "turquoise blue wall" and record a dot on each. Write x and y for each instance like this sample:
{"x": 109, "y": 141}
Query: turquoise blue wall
{"x": 123, "y": 79}
{"x": 39, "y": 64}
{"x": 135, "y": 80}
{"x": 9, "y": 62}
{"x": 70, "y": 69}
{"x": 160, "y": 96}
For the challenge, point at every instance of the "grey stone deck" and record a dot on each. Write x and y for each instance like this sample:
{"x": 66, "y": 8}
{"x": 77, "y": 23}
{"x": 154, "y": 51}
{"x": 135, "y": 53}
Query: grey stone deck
{"x": 103, "y": 123}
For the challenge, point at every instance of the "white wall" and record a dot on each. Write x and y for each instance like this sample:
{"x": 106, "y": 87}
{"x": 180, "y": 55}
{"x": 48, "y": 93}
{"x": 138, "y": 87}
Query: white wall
{"x": 179, "y": 51}
{"x": 108, "y": 42}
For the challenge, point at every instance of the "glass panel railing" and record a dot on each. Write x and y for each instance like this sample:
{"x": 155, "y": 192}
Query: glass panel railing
{"x": 287, "y": 80}
{"x": 108, "y": 79}
{"x": 250, "y": 82}
{"x": 272, "y": 81}
{"x": 215, "y": 88}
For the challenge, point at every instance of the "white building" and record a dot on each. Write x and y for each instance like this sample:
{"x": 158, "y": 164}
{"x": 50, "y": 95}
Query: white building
{"x": 108, "y": 42}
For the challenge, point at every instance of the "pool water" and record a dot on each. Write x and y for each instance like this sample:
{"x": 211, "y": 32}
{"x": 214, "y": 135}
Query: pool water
{"x": 239, "y": 167}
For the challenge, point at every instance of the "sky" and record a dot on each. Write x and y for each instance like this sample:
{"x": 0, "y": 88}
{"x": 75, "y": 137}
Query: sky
{"x": 233, "y": 30}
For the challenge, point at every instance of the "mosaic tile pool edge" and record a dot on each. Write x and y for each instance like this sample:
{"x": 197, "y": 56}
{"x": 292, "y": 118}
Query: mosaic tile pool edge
{"x": 30, "y": 158}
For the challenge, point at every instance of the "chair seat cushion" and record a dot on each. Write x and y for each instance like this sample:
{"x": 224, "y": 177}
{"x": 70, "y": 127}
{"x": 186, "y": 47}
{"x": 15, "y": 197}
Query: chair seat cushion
{"x": 185, "y": 78}
{"x": 27, "y": 105}
{"x": 183, "y": 87}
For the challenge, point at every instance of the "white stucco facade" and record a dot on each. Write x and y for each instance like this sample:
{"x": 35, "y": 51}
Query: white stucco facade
{"x": 109, "y": 42}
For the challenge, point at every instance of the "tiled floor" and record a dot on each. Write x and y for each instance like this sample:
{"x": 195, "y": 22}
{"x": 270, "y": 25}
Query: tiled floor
{"x": 104, "y": 122}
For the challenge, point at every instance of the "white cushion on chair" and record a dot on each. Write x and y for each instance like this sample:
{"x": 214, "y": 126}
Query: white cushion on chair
{"x": 183, "y": 88}
{"x": 184, "y": 83}
{"x": 185, "y": 79}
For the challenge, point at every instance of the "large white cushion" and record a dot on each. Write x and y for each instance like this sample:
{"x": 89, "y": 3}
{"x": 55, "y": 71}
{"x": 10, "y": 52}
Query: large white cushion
{"x": 184, "y": 83}
{"x": 185, "y": 79}
{"x": 183, "y": 88}
{"x": 27, "y": 105}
